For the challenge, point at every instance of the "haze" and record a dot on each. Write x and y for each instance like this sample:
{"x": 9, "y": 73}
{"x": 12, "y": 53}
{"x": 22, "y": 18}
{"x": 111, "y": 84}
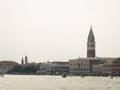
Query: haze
{"x": 57, "y": 30}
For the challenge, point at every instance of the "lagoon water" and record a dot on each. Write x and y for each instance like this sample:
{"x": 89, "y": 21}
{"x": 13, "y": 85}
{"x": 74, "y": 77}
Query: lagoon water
{"x": 34, "y": 82}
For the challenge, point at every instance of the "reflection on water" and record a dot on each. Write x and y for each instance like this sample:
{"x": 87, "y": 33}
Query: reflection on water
{"x": 29, "y": 82}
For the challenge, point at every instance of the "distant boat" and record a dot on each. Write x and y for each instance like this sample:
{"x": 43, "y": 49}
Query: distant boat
{"x": 82, "y": 76}
{"x": 64, "y": 75}
{"x": 1, "y": 74}
{"x": 112, "y": 77}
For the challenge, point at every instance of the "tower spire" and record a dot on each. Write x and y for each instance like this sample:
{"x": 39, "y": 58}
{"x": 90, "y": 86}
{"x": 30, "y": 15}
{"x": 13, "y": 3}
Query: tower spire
{"x": 91, "y": 35}
{"x": 90, "y": 27}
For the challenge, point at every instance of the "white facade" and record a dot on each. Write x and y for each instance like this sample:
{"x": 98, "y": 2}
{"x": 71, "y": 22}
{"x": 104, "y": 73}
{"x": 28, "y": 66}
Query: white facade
{"x": 79, "y": 66}
{"x": 53, "y": 68}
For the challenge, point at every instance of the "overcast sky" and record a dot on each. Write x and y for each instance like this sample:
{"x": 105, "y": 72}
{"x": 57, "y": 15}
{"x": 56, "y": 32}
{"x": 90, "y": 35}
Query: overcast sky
{"x": 57, "y": 30}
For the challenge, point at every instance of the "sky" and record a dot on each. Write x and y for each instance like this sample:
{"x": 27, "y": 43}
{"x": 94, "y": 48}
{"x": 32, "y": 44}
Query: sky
{"x": 57, "y": 30}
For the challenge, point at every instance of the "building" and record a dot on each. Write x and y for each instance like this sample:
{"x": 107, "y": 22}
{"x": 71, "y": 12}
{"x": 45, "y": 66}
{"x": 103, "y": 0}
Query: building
{"x": 84, "y": 65}
{"x": 116, "y": 67}
{"x": 97, "y": 69}
{"x": 107, "y": 67}
{"x": 53, "y": 68}
{"x": 79, "y": 66}
{"x": 44, "y": 69}
{"x": 91, "y": 44}
{"x": 93, "y": 65}
{"x": 87, "y": 66}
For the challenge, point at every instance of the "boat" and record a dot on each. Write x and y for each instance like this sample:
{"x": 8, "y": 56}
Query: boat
{"x": 112, "y": 77}
{"x": 64, "y": 75}
{"x": 1, "y": 75}
{"x": 82, "y": 76}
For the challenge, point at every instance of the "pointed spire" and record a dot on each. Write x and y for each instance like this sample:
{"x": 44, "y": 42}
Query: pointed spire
{"x": 26, "y": 59}
{"x": 22, "y": 61}
{"x": 91, "y": 35}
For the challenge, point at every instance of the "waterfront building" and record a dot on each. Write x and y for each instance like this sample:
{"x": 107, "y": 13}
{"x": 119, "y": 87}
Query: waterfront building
{"x": 116, "y": 67}
{"x": 107, "y": 67}
{"x": 92, "y": 65}
{"x": 84, "y": 65}
{"x": 87, "y": 66}
{"x": 53, "y": 68}
{"x": 44, "y": 69}
{"x": 97, "y": 69}
{"x": 79, "y": 66}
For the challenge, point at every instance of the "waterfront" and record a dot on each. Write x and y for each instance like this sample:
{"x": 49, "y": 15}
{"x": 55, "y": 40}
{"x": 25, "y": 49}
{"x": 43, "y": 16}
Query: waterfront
{"x": 33, "y": 82}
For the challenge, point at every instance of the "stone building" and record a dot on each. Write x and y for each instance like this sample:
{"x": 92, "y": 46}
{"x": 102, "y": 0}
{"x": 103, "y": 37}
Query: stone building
{"x": 97, "y": 69}
{"x": 79, "y": 66}
{"x": 107, "y": 67}
{"x": 116, "y": 67}
{"x": 87, "y": 66}
{"x": 91, "y": 65}
{"x": 44, "y": 68}
{"x": 84, "y": 65}
{"x": 53, "y": 68}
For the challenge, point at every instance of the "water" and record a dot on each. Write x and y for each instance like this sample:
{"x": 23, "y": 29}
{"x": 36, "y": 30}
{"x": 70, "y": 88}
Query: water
{"x": 31, "y": 82}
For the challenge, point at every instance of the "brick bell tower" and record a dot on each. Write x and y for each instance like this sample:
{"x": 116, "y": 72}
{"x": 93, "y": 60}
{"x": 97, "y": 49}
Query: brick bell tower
{"x": 91, "y": 44}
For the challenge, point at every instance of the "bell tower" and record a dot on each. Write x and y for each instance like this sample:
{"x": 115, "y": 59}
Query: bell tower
{"x": 91, "y": 44}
